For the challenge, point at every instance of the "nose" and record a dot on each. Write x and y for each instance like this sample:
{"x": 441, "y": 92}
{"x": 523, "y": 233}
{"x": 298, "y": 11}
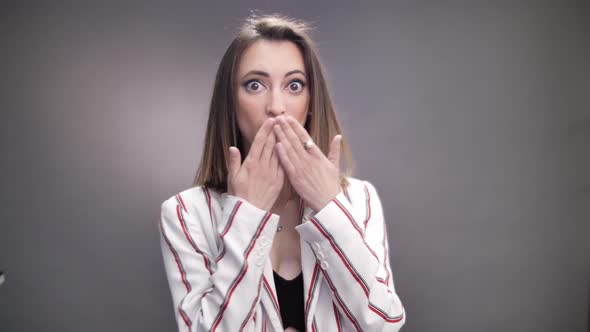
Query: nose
{"x": 275, "y": 105}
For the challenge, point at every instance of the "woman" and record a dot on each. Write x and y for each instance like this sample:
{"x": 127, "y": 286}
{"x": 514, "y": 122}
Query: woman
{"x": 273, "y": 237}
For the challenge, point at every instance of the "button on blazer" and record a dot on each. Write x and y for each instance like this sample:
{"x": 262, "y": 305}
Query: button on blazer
{"x": 216, "y": 250}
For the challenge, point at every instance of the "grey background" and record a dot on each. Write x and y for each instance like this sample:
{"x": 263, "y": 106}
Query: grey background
{"x": 470, "y": 118}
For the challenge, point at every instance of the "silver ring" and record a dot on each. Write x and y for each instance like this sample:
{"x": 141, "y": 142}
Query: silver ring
{"x": 308, "y": 144}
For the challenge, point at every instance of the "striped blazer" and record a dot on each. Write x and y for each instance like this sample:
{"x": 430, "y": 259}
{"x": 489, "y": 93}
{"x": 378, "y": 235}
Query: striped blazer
{"x": 216, "y": 250}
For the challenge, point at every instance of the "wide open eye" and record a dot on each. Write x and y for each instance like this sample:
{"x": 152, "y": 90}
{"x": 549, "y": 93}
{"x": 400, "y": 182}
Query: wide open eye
{"x": 296, "y": 85}
{"x": 253, "y": 85}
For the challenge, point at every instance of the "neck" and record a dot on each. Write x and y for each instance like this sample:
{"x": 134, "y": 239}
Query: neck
{"x": 287, "y": 206}
{"x": 286, "y": 194}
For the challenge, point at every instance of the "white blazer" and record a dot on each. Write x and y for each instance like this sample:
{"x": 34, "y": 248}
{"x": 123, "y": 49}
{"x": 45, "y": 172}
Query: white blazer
{"x": 216, "y": 250}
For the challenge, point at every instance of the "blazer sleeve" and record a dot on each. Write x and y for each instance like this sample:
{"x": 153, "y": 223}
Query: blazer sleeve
{"x": 209, "y": 296}
{"x": 354, "y": 260}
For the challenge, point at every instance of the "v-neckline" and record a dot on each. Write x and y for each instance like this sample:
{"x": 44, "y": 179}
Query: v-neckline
{"x": 300, "y": 275}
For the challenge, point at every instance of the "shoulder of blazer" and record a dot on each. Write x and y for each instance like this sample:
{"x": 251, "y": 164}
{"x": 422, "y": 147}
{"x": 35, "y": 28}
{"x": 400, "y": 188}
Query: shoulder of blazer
{"x": 198, "y": 208}
{"x": 196, "y": 199}
{"x": 358, "y": 194}
{"x": 354, "y": 191}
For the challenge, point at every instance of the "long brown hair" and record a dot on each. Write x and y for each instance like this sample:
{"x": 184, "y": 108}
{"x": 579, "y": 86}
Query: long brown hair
{"x": 222, "y": 131}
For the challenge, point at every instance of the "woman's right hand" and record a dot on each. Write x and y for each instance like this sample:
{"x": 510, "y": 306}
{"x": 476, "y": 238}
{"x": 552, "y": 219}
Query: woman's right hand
{"x": 259, "y": 179}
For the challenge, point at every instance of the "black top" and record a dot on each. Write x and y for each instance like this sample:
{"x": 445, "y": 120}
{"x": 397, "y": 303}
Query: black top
{"x": 290, "y": 294}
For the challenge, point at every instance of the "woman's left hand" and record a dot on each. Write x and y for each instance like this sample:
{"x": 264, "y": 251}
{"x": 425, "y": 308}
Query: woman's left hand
{"x": 315, "y": 177}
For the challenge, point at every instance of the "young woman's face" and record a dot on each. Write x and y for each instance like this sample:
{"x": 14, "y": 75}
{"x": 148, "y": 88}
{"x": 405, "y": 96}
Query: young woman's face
{"x": 270, "y": 81}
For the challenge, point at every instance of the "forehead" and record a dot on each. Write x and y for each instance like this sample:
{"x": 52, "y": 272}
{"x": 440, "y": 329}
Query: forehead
{"x": 273, "y": 57}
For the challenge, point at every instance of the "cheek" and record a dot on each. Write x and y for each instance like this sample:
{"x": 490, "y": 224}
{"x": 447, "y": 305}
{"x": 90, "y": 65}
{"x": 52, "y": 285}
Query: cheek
{"x": 250, "y": 115}
{"x": 298, "y": 107}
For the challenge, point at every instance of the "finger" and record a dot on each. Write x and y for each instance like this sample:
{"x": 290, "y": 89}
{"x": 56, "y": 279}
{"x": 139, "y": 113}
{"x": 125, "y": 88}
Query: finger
{"x": 302, "y": 134}
{"x": 286, "y": 145}
{"x": 280, "y": 171}
{"x": 274, "y": 158}
{"x": 284, "y": 158}
{"x": 334, "y": 153}
{"x": 234, "y": 161}
{"x": 269, "y": 146}
{"x": 296, "y": 143}
{"x": 260, "y": 139}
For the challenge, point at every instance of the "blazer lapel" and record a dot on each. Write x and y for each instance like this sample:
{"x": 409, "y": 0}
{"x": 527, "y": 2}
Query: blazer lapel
{"x": 269, "y": 298}
{"x": 311, "y": 275}
{"x": 311, "y": 282}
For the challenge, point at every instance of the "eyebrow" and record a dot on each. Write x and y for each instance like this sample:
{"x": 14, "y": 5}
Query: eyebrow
{"x": 265, "y": 74}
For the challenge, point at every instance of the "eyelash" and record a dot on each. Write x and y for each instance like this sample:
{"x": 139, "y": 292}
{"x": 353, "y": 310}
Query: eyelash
{"x": 303, "y": 84}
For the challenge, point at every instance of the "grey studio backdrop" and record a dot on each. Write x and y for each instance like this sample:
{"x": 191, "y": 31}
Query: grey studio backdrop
{"x": 468, "y": 117}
